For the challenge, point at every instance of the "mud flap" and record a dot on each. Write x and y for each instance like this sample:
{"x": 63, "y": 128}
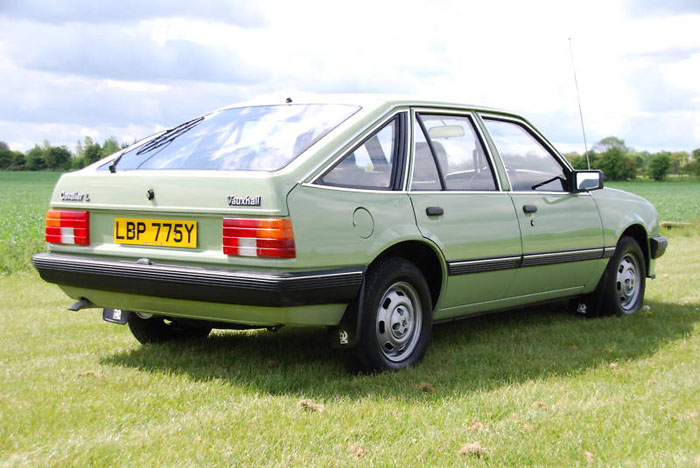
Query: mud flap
{"x": 591, "y": 304}
{"x": 345, "y": 334}
{"x": 117, "y": 316}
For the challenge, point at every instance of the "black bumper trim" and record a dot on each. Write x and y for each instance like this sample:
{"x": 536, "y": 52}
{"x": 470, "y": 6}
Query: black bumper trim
{"x": 480, "y": 265}
{"x": 658, "y": 246}
{"x": 201, "y": 284}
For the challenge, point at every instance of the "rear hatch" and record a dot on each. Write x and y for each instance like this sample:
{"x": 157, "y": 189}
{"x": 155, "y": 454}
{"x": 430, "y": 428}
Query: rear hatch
{"x": 186, "y": 205}
{"x": 165, "y": 198}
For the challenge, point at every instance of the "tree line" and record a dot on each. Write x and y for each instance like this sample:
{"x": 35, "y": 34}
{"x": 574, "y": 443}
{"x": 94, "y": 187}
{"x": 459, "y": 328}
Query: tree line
{"x": 611, "y": 155}
{"x": 619, "y": 162}
{"x": 46, "y": 157}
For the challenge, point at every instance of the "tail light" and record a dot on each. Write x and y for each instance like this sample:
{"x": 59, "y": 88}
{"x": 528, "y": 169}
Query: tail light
{"x": 68, "y": 227}
{"x": 250, "y": 237}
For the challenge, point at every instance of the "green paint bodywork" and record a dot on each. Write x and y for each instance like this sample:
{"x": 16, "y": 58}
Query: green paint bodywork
{"x": 330, "y": 234}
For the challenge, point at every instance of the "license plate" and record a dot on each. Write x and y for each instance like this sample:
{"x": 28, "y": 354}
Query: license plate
{"x": 160, "y": 232}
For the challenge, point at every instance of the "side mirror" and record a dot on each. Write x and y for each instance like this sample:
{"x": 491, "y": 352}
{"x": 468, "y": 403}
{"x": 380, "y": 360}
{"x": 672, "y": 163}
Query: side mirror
{"x": 584, "y": 181}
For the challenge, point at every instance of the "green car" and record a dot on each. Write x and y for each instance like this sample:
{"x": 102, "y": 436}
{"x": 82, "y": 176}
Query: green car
{"x": 374, "y": 218}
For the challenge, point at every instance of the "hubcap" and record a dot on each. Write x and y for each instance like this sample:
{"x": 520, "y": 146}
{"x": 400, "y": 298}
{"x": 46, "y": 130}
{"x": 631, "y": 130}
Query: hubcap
{"x": 399, "y": 321}
{"x": 627, "y": 282}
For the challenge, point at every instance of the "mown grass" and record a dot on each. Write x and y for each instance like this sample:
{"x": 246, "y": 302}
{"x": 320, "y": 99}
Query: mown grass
{"x": 533, "y": 387}
{"x": 537, "y": 387}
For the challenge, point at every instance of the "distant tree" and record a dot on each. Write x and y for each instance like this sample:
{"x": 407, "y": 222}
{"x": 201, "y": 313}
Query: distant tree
{"x": 78, "y": 163}
{"x": 4, "y": 146}
{"x": 693, "y": 168}
{"x": 19, "y": 161}
{"x": 57, "y": 157}
{"x": 110, "y": 146}
{"x": 616, "y": 165}
{"x": 79, "y": 149}
{"x": 35, "y": 159}
{"x": 92, "y": 152}
{"x": 5, "y": 158}
{"x": 679, "y": 160}
{"x": 659, "y": 165}
{"x": 611, "y": 142}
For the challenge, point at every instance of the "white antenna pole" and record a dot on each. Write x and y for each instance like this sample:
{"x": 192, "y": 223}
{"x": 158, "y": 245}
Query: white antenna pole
{"x": 578, "y": 97}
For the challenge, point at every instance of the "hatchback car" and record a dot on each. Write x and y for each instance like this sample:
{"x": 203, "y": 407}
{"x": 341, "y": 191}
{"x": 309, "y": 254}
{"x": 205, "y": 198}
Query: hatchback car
{"x": 374, "y": 218}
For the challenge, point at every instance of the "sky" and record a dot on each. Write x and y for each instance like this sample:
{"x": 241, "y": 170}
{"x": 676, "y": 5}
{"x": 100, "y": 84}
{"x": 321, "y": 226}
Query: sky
{"x": 128, "y": 68}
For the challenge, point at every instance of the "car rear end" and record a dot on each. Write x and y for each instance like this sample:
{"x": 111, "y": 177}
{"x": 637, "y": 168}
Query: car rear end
{"x": 194, "y": 223}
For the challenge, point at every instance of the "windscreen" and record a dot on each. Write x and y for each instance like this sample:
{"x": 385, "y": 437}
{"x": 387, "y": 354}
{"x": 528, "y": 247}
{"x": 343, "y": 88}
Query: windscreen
{"x": 258, "y": 138}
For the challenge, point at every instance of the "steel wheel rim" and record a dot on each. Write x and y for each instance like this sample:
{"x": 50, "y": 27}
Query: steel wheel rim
{"x": 399, "y": 321}
{"x": 628, "y": 282}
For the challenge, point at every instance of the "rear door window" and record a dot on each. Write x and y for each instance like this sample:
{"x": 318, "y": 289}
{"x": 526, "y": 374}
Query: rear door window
{"x": 452, "y": 146}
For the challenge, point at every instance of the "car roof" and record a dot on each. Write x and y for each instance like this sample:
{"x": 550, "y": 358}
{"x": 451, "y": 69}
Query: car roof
{"x": 367, "y": 101}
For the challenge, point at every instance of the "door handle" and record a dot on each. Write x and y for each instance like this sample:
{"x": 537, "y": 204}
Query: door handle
{"x": 529, "y": 208}
{"x": 434, "y": 211}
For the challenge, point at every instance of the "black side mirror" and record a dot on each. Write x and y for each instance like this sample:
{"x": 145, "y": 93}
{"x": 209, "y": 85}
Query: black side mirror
{"x": 584, "y": 181}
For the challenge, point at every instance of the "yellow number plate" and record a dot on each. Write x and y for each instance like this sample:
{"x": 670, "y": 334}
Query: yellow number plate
{"x": 161, "y": 232}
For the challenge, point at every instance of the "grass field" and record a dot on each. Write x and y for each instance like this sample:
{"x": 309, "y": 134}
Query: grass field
{"x": 537, "y": 387}
{"x": 675, "y": 199}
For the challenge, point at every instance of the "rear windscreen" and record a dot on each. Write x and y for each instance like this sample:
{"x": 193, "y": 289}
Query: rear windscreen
{"x": 259, "y": 138}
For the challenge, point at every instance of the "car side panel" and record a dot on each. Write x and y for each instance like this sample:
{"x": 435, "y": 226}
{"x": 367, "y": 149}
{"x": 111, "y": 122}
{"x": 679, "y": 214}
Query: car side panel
{"x": 339, "y": 227}
{"x": 475, "y": 230}
{"x": 562, "y": 242}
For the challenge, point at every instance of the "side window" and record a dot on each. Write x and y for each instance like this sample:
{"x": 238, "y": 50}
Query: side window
{"x": 530, "y": 166}
{"x": 458, "y": 151}
{"x": 370, "y": 165}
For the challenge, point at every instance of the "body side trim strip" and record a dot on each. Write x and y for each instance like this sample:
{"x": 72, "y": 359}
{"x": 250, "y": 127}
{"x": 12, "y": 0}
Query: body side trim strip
{"x": 479, "y": 265}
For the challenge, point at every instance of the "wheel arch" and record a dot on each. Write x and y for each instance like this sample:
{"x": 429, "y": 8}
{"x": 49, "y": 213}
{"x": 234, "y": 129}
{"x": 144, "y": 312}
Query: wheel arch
{"x": 427, "y": 257}
{"x": 639, "y": 233}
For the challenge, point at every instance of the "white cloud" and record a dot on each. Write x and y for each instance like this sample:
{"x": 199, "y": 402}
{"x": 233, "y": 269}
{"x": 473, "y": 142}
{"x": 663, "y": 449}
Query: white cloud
{"x": 636, "y": 70}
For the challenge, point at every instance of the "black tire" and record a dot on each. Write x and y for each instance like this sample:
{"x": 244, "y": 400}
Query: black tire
{"x": 605, "y": 300}
{"x": 156, "y": 329}
{"x": 396, "y": 318}
{"x": 625, "y": 279}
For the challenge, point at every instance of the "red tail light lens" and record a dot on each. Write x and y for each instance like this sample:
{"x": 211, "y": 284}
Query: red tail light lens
{"x": 68, "y": 227}
{"x": 251, "y": 237}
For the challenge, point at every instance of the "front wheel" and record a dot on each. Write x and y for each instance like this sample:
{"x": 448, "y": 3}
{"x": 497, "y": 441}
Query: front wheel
{"x": 396, "y": 318}
{"x": 626, "y": 279}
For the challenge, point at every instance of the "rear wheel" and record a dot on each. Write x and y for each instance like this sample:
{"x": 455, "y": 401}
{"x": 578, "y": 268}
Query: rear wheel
{"x": 396, "y": 318}
{"x": 148, "y": 328}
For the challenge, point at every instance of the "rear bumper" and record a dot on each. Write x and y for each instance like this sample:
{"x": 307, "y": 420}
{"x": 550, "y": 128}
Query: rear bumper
{"x": 200, "y": 284}
{"x": 658, "y": 246}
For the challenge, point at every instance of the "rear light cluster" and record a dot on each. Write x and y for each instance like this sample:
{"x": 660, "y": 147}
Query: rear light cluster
{"x": 68, "y": 227}
{"x": 251, "y": 237}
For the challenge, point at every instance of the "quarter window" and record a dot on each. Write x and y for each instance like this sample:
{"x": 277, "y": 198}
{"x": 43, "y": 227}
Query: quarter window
{"x": 453, "y": 144}
{"x": 370, "y": 165}
{"x": 529, "y": 165}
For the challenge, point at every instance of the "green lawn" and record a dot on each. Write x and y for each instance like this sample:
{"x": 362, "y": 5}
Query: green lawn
{"x": 536, "y": 387}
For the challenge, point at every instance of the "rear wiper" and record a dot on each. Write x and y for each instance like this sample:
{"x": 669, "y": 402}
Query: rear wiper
{"x": 162, "y": 139}
{"x": 552, "y": 179}
{"x": 169, "y": 136}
